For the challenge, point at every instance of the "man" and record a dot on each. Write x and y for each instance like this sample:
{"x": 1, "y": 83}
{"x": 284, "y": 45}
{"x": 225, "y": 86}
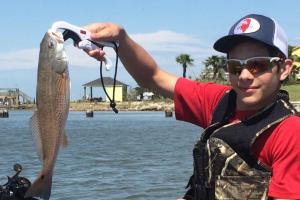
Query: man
{"x": 249, "y": 149}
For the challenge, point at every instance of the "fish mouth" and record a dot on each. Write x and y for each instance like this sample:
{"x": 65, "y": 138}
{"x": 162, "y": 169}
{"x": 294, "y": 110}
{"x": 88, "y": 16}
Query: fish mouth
{"x": 61, "y": 53}
{"x": 62, "y": 56}
{"x": 57, "y": 35}
{"x": 60, "y": 59}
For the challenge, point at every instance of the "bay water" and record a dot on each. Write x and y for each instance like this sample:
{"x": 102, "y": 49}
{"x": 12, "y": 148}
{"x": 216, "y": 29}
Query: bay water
{"x": 130, "y": 155}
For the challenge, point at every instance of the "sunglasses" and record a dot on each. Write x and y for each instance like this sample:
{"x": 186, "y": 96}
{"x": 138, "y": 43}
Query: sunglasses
{"x": 254, "y": 65}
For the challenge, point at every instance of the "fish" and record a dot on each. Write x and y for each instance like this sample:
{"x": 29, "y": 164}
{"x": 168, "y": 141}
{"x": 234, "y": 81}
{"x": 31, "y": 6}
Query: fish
{"x": 52, "y": 107}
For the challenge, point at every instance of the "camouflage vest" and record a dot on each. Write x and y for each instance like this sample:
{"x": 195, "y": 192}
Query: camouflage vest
{"x": 224, "y": 165}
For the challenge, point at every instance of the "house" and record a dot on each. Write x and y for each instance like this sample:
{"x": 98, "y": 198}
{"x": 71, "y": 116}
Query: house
{"x": 120, "y": 89}
{"x": 13, "y": 96}
{"x": 146, "y": 96}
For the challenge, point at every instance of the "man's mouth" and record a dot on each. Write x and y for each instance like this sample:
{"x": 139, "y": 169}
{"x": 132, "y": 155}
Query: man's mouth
{"x": 248, "y": 88}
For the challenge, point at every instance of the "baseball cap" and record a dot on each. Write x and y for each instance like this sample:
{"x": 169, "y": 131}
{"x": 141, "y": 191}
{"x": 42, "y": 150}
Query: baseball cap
{"x": 258, "y": 28}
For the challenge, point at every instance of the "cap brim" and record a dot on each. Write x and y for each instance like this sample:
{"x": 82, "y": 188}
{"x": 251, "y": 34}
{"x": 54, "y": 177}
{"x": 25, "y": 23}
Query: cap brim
{"x": 226, "y": 43}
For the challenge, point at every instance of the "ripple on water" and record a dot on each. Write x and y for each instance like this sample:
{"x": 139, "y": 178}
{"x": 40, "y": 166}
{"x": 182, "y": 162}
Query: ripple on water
{"x": 132, "y": 155}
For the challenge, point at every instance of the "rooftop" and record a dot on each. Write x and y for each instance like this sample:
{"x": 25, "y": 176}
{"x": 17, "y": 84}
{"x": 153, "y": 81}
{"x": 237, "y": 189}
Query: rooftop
{"x": 108, "y": 81}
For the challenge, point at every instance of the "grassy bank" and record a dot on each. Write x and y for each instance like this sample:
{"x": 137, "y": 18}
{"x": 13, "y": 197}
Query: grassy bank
{"x": 293, "y": 90}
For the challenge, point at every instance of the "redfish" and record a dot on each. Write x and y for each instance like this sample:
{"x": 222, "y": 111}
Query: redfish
{"x": 49, "y": 120}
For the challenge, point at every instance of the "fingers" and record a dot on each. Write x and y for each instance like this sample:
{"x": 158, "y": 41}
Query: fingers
{"x": 95, "y": 27}
{"x": 102, "y": 35}
{"x": 97, "y": 54}
{"x": 104, "y": 31}
{"x": 98, "y": 31}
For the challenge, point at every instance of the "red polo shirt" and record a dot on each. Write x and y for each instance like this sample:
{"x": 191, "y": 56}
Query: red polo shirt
{"x": 278, "y": 147}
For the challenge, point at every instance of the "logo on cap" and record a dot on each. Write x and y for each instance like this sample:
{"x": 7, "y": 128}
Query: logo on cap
{"x": 247, "y": 25}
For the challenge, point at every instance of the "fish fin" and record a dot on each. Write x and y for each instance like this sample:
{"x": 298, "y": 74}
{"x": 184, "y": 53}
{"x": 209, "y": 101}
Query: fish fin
{"x": 41, "y": 187}
{"x": 65, "y": 142}
{"x": 34, "y": 123}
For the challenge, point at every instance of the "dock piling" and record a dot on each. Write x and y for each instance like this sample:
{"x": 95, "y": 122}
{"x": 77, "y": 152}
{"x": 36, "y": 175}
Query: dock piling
{"x": 4, "y": 113}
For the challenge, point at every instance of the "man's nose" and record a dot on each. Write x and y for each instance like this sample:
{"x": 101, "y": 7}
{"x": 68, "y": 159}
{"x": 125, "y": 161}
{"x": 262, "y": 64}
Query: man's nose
{"x": 245, "y": 74}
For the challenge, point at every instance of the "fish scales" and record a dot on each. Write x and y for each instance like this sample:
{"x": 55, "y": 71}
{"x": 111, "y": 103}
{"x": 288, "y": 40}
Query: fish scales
{"x": 49, "y": 120}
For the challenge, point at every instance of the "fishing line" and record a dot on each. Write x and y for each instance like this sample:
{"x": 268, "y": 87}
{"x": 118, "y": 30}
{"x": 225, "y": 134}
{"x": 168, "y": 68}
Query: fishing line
{"x": 112, "y": 101}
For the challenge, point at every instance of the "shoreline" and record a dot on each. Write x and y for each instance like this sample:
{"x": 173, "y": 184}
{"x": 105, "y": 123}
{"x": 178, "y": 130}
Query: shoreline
{"x": 167, "y": 105}
{"x": 105, "y": 106}
{"x": 123, "y": 106}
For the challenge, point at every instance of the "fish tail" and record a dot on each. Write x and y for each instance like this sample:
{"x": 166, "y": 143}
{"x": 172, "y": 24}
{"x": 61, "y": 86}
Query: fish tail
{"x": 41, "y": 187}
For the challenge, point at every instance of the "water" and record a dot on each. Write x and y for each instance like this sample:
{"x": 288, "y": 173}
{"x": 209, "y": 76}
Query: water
{"x": 131, "y": 155}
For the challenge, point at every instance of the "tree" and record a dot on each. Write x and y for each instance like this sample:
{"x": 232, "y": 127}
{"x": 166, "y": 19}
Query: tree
{"x": 295, "y": 68}
{"x": 185, "y": 60}
{"x": 290, "y": 50}
{"x": 216, "y": 63}
{"x": 135, "y": 92}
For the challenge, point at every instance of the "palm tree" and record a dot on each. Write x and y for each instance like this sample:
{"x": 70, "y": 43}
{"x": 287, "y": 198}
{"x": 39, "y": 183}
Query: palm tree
{"x": 295, "y": 69}
{"x": 217, "y": 64}
{"x": 294, "y": 58}
{"x": 184, "y": 60}
{"x": 290, "y": 50}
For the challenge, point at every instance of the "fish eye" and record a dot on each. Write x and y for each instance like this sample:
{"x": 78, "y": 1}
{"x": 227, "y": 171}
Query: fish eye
{"x": 51, "y": 44}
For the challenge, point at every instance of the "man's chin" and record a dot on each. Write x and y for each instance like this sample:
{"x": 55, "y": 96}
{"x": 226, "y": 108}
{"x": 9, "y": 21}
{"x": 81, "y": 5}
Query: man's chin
{"x": 248, "y": 103}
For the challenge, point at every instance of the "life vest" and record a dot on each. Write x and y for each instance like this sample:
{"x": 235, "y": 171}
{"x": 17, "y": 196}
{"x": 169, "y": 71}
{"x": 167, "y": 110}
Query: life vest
{"x": 224, "y": 165}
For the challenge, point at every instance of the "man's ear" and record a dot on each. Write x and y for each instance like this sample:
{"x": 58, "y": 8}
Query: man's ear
{"x": 286, "y": 69}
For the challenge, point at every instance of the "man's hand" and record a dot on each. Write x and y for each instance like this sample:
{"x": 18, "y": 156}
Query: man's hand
{"x": 104, "y": 32}
{"x": 137, "y": 61}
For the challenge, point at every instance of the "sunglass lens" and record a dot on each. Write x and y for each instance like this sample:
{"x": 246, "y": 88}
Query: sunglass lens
{"x": 258, "y": 65}
{"x": 234, "y": 66}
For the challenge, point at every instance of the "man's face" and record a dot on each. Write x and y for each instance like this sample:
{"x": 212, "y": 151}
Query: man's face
{"x": 253, "y": 91}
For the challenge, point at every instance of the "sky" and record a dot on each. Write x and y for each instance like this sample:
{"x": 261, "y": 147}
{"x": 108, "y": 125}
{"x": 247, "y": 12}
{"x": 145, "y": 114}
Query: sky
{"x": 165, "y": 28}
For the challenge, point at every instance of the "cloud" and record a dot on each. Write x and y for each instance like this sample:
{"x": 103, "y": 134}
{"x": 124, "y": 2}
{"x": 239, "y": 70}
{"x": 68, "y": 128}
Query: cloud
{"x": 164, "y": 45}
{"x": 168, "y": 41}
{"x": 20, "y": 59}
{"x": 28, "y": 58}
